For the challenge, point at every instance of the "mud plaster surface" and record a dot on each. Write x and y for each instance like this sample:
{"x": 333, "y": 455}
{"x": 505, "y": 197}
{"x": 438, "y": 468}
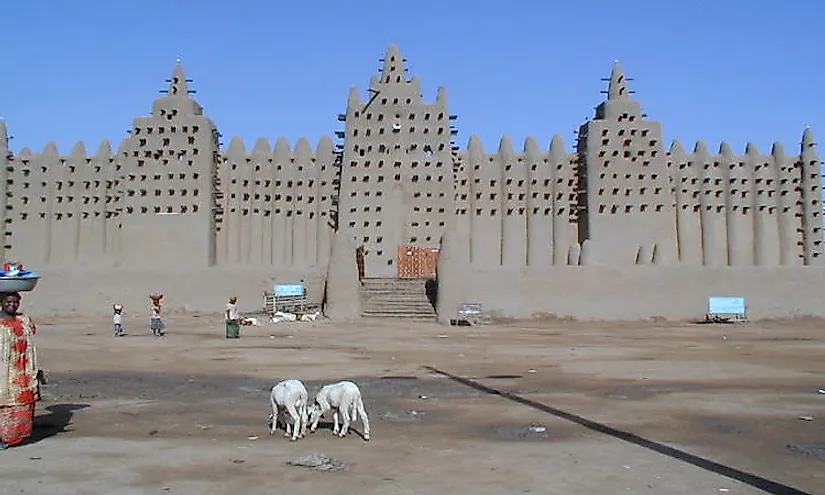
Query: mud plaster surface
{"x": 175, "y": 415}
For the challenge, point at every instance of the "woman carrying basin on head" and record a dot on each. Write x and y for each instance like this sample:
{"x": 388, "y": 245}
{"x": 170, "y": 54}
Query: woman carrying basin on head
{"x": 19, "y": 376}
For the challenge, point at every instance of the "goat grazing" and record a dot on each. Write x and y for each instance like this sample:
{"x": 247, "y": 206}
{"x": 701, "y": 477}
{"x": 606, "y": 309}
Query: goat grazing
{"x": 290, "y": 396}
{"x": 343, "y": 398}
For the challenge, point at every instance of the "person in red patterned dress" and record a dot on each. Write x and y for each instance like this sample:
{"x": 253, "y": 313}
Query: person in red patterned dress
{"x": 19, "y": 389}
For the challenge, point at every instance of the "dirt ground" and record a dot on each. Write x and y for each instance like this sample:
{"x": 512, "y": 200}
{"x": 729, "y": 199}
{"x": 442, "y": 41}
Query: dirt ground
{"x": 569, "y": 408}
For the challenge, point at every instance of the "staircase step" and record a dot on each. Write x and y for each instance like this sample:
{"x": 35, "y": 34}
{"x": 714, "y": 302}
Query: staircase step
{"x": 412, "y": 288}
{"x": 412, "y": 292}
{"x": 397, "y": 311}
{"x": 396, "y": 299}
{"x": 394, "y": 283}
{"x": 388, "y": 297}
{"x": 403, "y": 288}
{"x": 406, "y": 304}
{"x": 404, "y": 316}
{"x": 393, "y": 300}
{"x": 416, "y": 306}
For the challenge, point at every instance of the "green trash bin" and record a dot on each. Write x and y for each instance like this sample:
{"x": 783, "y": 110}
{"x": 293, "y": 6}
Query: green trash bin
{"x": 233, "y": 329}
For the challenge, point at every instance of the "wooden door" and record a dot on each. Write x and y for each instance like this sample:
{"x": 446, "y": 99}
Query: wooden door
{"x": 416, "y": 262}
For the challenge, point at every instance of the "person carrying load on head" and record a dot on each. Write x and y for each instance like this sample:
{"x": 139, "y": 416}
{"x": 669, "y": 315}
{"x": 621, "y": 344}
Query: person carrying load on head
{"x": 117, "y": 320}
{"x": 156, "y": 322}
{"x": 19, "y": 375}
{"x": 233, "y": 320}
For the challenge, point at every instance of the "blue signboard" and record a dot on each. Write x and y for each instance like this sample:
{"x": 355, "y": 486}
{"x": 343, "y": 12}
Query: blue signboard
{"x": 282, "y": 290}
{"x": 726, "y": 305}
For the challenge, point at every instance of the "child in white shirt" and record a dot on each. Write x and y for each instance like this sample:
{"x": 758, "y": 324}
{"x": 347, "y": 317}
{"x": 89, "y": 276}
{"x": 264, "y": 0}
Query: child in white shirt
{"x": 118, "y": 320}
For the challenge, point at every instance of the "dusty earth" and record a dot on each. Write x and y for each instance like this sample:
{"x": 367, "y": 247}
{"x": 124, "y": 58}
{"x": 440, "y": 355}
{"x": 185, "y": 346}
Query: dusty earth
{"x": 187, "y": 413}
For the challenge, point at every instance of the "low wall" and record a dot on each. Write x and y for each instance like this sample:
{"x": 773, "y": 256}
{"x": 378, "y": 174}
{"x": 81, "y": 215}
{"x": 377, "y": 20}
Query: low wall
{"x": 641, "y": 292}
{"x": 92, "y": 292}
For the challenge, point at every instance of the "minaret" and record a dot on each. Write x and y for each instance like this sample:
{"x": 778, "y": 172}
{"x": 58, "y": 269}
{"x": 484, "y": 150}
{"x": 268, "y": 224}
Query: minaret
{"x": 175, "y": 149}
{"x": 625, "y": 196}
{"x": 397, "y": 173}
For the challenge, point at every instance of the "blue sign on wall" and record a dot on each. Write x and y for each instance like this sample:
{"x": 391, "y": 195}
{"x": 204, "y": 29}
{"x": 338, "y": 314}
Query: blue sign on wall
{"x": 726, "y": 305}
{"x": 282, "y": 290}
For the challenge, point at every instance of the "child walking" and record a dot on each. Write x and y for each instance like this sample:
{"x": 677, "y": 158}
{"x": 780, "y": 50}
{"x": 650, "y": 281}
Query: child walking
{"x": 118, "y": 320}
{"x": 156, "y": 323}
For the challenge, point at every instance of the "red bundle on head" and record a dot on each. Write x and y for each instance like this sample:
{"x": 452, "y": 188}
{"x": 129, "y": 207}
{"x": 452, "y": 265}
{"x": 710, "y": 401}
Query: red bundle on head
{"x": 156, "y": 297}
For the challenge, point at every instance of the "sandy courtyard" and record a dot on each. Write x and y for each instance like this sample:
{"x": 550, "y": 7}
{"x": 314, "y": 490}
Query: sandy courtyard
{"x": 568, "y": 408}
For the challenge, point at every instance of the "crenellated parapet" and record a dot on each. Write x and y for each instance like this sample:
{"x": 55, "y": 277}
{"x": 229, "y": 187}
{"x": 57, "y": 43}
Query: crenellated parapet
{"x": 751, "y": 209}
{"x": 60, "y": 208}
{"x": 277, "y": 203}
{"x": 517, "y": 208}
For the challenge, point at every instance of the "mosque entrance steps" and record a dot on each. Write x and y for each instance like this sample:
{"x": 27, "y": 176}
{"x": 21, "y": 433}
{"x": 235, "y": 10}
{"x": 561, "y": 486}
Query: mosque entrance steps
{"x": 400, "y": 298}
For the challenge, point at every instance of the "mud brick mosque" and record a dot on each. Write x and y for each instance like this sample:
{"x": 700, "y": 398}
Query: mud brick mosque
{"x": 620, "y": 227}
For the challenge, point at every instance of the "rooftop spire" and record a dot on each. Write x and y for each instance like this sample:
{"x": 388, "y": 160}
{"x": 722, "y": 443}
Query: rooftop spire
{"x": 808, "y": 139}
{"x": 619, "y": 103}
{"x": 4, "y": 134}
{"x": 178, "y": 83}
{"x": 617, "y": 84}
{"x": 395, "y": 65}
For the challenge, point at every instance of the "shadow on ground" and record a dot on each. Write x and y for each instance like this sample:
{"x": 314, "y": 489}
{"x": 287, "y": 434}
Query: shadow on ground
{"x": 57, "y": 421}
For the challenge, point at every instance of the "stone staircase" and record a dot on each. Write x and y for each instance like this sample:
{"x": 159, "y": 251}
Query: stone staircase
{"x": 396, "y": 298}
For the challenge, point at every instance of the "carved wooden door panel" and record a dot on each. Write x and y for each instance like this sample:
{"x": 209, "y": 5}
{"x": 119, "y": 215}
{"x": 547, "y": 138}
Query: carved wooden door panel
{"x": 416, "y": 262}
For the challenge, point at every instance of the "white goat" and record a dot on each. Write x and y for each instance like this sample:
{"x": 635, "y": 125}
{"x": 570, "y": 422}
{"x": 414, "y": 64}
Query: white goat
{"x": 291, "y": 396}
{"x": 310, "y": 316}
{"x": 343, "y": 397}
{"x": 280, "y": 316}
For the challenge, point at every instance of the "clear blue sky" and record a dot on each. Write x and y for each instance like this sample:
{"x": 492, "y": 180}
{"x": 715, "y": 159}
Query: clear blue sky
{"x": 732, "y": 70}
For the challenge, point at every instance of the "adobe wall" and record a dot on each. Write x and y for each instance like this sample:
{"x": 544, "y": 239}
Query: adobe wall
{"x": 5, "y": 159}
{"x": 557, "y": 229}
{"x": 640, "y": 292}
{"x": 275, "y": 205}
{"x": 92, "y": 292}
{"x": 517, "y": 208}
{"x": 169, "y": 197}
{"x": 61, "y": 208}
{"x": 746, "y": 210}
